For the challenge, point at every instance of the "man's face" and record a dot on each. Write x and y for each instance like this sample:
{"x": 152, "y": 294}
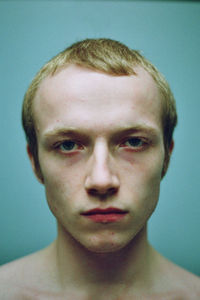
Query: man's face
{"x": 100, "y": 146}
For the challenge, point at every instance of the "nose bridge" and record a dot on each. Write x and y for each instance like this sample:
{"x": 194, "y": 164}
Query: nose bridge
{"x": 101, "y": 176}
{"x": 100, "y": 161}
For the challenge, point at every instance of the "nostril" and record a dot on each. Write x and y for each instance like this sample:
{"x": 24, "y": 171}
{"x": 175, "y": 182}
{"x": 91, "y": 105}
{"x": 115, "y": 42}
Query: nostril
{"x": 112, "y": 191}
{"x": 92, "y": 192}
{"x": 102, "y": 193}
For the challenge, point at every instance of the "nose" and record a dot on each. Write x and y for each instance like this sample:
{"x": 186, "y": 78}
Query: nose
{"x": 101, "y": 179}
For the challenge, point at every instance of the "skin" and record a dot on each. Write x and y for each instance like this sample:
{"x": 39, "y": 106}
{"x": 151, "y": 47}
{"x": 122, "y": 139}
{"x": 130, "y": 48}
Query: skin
{"x": 102, "y": 160}
{"x": 100, "y": 144}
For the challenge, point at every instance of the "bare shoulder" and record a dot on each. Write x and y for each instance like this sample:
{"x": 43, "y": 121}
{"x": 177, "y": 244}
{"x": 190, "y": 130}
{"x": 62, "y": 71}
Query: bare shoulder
{"x": 6, "y": 274}
{"x": 188, "y": 282}
{"x": 12, "y": 279}
{"x": 21, "y": 279}
{"x": 180, "y": 282}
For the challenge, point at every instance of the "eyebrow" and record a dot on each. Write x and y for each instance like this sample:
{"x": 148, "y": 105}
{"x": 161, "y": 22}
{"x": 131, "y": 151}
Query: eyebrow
{"x": 138, "y": 128}
{"x": 85, "y": 133}
{"x": 62, "y": 132}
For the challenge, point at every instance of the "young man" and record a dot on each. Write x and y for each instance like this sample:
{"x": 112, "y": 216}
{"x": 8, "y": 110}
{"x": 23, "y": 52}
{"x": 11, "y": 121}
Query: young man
{"x": 99, "y": 121}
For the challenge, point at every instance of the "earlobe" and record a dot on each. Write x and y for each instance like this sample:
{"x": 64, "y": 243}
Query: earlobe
{"x": 35, "y": 168}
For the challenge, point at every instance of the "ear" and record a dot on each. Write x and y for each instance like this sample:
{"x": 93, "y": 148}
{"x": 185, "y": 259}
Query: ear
{"x": 36, "y": 169}
{"x": 167, "y": 158}
{"x": 171, "y": 148}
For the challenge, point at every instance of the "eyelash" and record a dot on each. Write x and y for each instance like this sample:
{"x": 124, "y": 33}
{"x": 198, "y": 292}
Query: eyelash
{"x": 78, "y": 146}
{"x": 142, "y": 143}
{"x": 73, "y": 143}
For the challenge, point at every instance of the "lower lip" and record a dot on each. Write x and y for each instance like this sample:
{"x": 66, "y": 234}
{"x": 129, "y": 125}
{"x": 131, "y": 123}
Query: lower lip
{"x": 106, "y": 218}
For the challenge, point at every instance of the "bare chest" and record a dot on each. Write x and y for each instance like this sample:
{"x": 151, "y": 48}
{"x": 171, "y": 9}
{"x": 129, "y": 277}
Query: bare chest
{"x": 38, "y": 295}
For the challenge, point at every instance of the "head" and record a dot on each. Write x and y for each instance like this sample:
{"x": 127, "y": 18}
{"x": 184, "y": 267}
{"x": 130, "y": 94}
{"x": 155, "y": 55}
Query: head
{"x": 110, "y": 57}
{"x": 99, "y": 120}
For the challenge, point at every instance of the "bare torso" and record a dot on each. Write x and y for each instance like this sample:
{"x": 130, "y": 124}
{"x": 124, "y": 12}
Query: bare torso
{"x": 33, "y": 278}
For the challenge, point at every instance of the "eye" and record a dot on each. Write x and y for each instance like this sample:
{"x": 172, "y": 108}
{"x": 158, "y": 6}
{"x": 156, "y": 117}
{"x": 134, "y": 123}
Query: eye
{"x": 133, "y": 142}
{"x": 68, "y": 146}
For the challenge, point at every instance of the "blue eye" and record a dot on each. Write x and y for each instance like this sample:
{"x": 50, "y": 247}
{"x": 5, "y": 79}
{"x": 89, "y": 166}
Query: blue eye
{"x": 68, "y": 145}
{"x": 134, "y": 142}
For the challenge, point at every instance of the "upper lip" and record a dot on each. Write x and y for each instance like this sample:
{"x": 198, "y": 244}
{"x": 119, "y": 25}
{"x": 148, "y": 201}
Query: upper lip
{"x": 109, "y": 210}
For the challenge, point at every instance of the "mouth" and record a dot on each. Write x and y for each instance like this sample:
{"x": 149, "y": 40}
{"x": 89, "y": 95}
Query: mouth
{"x": 108, "y": 215}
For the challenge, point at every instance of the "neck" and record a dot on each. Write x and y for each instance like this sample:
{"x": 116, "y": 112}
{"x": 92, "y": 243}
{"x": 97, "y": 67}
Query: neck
{"x": 77, "y": 265}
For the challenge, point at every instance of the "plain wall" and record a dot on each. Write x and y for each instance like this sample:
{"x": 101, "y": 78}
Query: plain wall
{"x": 167, "y": 33}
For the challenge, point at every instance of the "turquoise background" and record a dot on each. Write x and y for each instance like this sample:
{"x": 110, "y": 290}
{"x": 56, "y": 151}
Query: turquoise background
{"x": 168, "y": 33}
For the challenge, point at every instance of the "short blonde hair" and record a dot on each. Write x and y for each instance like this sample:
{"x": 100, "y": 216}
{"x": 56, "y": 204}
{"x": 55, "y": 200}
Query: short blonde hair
{"x": 108, "y": 56}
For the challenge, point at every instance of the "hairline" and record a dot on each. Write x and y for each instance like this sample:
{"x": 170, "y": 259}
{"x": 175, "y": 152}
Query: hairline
{"x": 57, "y": 70}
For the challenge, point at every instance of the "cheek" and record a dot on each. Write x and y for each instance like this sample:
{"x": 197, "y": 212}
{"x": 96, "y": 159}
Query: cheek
{"x": 142, "y": 167}
{"x": 60, "y": 172}
{"x": 142, "y": 177}
{"x": 61, "y": 185}
{"x": 55, "y": 194}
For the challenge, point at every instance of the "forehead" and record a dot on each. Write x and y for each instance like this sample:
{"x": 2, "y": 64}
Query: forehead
{"x": 79, "y": 97}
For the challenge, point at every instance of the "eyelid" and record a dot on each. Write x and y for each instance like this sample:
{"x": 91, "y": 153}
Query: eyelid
{"x": 80, "y": 145}
{"x": 144, "y": 143}
{"x": 57, "y": 145}
{"x": 143, "y": 139}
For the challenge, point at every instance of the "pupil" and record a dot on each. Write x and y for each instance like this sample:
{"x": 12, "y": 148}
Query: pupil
{"x": 68, "y": 145}
{"x": 134, "y": 142}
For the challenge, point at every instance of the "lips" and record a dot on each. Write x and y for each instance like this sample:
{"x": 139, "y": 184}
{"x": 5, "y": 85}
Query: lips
{"x": 108, "y": 215}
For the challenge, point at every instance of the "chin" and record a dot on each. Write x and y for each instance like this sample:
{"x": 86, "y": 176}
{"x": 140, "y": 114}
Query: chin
{"x": 105, "y": 246}
{"x": 105, "y": 249}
